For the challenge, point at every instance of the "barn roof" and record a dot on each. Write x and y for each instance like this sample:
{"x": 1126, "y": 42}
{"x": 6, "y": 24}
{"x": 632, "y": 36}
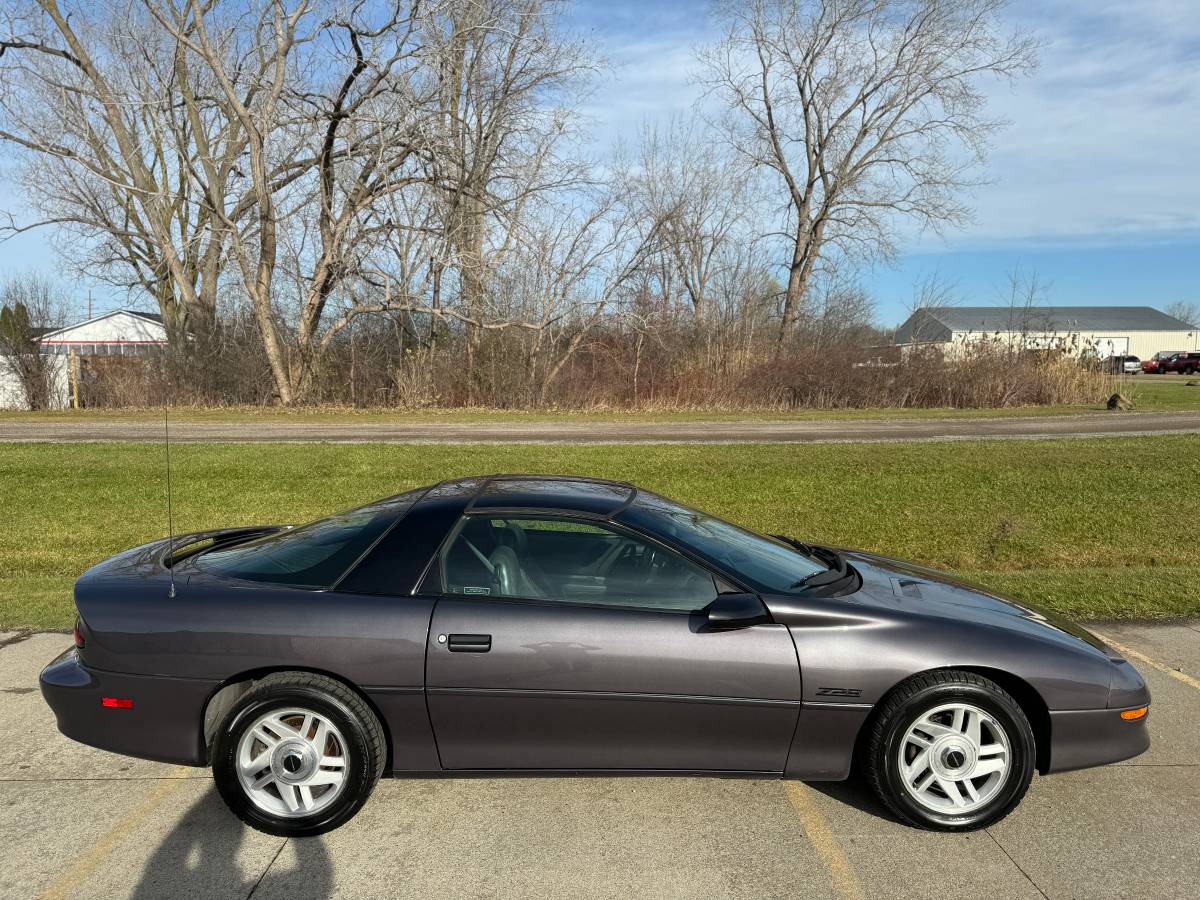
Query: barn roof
{"x": 935, "y": 322}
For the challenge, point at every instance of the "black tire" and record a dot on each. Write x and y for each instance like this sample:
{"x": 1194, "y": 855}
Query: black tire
{"x": 1189, "y": 371}
{"x": 908, "y": 702}
{"x": 365, "y": 749}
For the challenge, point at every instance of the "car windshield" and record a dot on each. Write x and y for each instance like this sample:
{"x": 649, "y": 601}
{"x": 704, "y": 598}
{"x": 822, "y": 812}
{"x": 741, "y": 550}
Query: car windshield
{"x": 313, "y": 555}
{"x": 771, "y": 564}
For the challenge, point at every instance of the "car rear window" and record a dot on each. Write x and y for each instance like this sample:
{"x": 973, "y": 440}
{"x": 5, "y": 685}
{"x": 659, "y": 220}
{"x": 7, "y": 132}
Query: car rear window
{"x": 314, "y": 555}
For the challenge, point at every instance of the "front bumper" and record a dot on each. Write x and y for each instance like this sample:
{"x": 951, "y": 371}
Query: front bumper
{"x": 1094, "y": 737}
{"x": 165, "y": 722}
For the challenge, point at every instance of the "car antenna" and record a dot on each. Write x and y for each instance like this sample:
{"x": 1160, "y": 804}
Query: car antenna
{"x": 170, "y": 517}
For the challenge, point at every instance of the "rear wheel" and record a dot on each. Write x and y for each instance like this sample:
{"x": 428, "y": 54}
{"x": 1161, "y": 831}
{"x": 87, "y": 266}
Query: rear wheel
{"x": 950, "y": 751}
{"x": 298, "y": 755}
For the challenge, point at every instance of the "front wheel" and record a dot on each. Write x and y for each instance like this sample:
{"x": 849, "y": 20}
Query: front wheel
{"x": 950, "y": 751}
{"x": 298, "y": 755}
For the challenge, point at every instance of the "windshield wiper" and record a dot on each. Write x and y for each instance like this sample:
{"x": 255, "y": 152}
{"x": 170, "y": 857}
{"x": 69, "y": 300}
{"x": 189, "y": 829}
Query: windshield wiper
{"x": 836, "y": 566}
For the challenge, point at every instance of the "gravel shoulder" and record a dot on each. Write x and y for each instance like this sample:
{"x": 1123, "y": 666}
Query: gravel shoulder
{"x": 567, "y": 431}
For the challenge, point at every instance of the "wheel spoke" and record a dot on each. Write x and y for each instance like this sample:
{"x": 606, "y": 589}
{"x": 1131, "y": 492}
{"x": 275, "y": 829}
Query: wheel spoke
{"x": 320, "y": 737}
{"x": 256, "y": 765}
{"x": 919, "y": 764}
{"x": 267, "y": 737}
{"x": 284, "y": 729}
{"x": 973, "y": 729}
{"x": 991, "y": 750}
{"x": 988, "y": 766}
{"x": 935, "y": 729}
{"x": 322, "y": 776}
{"x": 333, "y": 762}
{"x": 970, "y": 789}
{"x": 262, "y": 781}
{"x": 952, "y": 791}
{"x": 288, "y": 793}
{"x": 306, "y": 797}
{"x": 957, "y": 719}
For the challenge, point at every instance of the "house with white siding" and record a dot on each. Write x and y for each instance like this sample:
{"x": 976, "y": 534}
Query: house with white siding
{"x": 122, "y": 332}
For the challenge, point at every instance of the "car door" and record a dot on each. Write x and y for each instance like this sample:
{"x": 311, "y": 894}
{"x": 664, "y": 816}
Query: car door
{"x": 560, "y": 643}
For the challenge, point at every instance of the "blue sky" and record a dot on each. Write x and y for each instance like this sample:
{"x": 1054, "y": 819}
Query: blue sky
{"x": 1095, "y": 184}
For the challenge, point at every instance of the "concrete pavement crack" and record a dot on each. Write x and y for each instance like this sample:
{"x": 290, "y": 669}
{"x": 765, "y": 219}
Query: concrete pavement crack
{"x": 267, "y": 869}
{"x": 995, "y": 841}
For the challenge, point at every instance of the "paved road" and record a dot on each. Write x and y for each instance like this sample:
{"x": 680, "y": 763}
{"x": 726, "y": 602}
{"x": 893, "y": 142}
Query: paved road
{"x": 77, "y": 822}
{"x": 592, "y": 432}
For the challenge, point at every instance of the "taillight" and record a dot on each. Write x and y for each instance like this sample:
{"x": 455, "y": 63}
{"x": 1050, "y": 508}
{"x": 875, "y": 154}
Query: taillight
{"x": 78, "y": 634}
{"x": 116, "y": 702}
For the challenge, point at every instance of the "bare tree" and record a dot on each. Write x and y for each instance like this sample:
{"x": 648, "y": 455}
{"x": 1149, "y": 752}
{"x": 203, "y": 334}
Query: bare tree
{"x": 105, "y": 121}
{"x": 507, "y": 84}
{"x": 1185, "y": 312}
{"x": 701, "y": 201}
{"x": 866, "y": 111}
{"x": 28, "y": 310}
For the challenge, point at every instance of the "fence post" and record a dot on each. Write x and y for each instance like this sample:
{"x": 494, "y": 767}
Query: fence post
{"x": 73, "y": 369}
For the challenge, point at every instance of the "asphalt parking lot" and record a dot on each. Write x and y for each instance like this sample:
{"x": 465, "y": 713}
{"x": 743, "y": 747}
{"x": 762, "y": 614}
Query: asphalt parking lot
{"x": 77, "y": 822}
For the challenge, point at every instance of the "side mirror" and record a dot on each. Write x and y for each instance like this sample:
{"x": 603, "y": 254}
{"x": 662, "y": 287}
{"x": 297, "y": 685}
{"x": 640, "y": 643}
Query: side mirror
{"x": 736, "y": 611}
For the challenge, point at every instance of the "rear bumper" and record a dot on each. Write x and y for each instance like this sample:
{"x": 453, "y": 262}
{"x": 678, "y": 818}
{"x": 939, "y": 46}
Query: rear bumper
{"x": 1094, "y": 737}
{"x": 165, "y": 722}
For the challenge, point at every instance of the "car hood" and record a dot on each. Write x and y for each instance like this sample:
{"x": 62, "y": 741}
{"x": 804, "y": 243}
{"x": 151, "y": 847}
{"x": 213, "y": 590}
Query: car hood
{"x": 931, "y": 592}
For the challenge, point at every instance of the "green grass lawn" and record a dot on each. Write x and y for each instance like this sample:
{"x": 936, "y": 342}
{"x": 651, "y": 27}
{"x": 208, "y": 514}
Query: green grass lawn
{"x": 1150, "y": 394}
{"x": 1088, "y": 527}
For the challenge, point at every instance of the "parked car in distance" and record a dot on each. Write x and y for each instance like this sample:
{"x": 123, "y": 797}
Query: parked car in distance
{"x": 1122, "y": 365}
{"x": 1185, "y": 363}
{"x": 1153, "y": 366}
{"x": 534, "y": 624}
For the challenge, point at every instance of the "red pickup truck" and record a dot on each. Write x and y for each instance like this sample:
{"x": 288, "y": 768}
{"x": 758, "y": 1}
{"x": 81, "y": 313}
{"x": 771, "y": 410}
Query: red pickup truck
{"x": 1153, "y": 366}
{"x": 1187, "y": 363}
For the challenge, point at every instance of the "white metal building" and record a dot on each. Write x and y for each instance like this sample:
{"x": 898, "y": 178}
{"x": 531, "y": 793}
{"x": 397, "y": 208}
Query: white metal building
{"x": 1139, "y": 331}
{"x": 123, "y": 332}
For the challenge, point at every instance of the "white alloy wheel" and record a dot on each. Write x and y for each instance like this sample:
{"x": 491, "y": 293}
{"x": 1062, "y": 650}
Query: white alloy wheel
{"x": 292, "y": 762}
{"x": 954, "y": 758}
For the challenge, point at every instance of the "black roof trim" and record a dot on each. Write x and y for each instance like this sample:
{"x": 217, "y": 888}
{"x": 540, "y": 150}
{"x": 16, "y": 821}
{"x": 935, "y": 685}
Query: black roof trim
{"x": 486, "y": 480}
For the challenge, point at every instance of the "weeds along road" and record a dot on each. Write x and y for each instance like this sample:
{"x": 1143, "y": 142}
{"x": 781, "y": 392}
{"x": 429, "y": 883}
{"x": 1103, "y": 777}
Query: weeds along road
{"x": 614, "y": 432}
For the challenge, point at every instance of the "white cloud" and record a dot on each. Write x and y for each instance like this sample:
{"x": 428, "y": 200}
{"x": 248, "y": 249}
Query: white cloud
{"x": 1103, "y": 142}
{"x": 1102, "y": 139}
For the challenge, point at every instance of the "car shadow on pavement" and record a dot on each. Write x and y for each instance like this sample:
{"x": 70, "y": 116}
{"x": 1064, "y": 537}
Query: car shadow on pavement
{"x": 855, "y": 792}
{"x": 199, "y": 859}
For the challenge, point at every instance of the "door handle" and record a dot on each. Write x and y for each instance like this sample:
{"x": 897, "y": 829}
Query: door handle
{"x": 470, "y": 643}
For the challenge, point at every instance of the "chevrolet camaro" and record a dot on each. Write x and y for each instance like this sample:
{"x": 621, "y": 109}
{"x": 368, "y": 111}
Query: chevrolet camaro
{"x": 519, "y": 624}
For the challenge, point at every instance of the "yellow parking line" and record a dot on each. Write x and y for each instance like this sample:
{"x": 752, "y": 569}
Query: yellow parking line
{"x": 1162, "y": 667}
{"x": 821, "y": 836}
{"x": 83, "y": 867}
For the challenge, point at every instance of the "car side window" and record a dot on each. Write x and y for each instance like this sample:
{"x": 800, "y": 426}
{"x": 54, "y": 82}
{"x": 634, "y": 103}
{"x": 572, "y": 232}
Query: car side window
{"x": 570, "y": 561}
